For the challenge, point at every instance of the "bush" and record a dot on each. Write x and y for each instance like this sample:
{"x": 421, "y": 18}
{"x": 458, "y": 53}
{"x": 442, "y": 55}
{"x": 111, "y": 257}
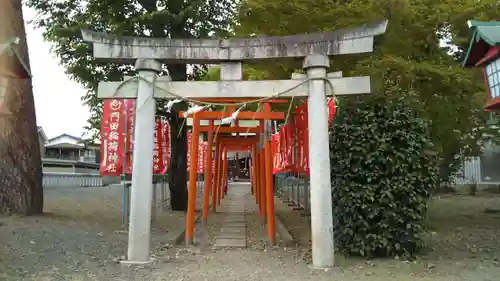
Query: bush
{"x": 383, "y": 170}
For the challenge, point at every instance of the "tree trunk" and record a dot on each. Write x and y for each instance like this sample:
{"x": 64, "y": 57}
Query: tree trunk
{"x": 177, "y": 180}
{"x": 21, "y": 190}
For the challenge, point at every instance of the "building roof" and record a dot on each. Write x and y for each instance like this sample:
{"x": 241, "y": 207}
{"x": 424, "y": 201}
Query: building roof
{"x": 41, "y": 132}
{"x": 66, "y": 135}
{"x": 76, "y": 143}
{"x": 485, "y": 34}
{"x": 9, "y": 55}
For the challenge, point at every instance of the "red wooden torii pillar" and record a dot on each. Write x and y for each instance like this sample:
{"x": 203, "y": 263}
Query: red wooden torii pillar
{"x": 262, "y": 182}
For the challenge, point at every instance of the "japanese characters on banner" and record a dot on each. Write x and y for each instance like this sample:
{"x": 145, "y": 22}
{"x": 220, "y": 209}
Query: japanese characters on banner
{"x": 158, "y": 162}
{"x": 166, "y": 146}
{"x": 129, "y": 138}
{"x": 291, "y": 144}
{"x": 275, "y": 147}
{"x": 117, "y": 139}
{"x": 301, "y": 126}
{"x": 202, "y": 147}
{"x": 188, "y": 159}
{"x": 201, "y": 157}
{"x": 112, "y": 144}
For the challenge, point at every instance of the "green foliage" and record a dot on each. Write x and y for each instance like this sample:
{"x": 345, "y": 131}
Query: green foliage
{"x": 383, "y": 171}
{"x": 411, "y": 54}
{"x": 62, "y": 21}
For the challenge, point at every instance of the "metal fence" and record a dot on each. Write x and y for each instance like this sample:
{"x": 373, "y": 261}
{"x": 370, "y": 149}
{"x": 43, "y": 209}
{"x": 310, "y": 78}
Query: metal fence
{"x": 165, "y": 197}
{"x": 294, "y": 191}
{"x": 53, "y": 179}
{"x": 480, "y": 170}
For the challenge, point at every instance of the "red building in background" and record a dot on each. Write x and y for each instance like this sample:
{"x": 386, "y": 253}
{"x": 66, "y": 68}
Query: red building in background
{"x": 484, "y": 52}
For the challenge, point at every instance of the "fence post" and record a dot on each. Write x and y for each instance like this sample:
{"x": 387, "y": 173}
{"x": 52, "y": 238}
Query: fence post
{"x": 307, "y": 203}
{"x": 292, "y": 195}
{"x": 299, "y": 189}
{"x": 126, "y": 205}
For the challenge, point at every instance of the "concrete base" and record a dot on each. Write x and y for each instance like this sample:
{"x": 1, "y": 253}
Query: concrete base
{"x": 312, "y": 267}
{"x": 286, "y": 237}
{"x": 305, "y": 214}
{"x": 126, "y": 262}
{"x": 182, "y": 233}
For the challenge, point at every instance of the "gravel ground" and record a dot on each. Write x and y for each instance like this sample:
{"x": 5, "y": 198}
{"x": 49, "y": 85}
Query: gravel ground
{"x": 463, "y": 243}
{"x": 80, "y": 240}
{"x": 80, "y": 237}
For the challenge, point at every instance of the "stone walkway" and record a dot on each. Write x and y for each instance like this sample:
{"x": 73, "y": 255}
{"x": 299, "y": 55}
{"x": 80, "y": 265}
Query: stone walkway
{"x": 233, "y": 230}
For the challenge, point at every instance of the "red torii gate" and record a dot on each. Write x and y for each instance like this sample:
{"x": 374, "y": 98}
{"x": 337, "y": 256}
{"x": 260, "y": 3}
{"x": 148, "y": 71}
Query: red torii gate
{"x": 261, "y": 161}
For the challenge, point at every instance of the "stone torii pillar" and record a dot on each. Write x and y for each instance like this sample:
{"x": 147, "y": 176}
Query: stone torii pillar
{"x": 230, "y": 53}
{"x": 142, "y": 186}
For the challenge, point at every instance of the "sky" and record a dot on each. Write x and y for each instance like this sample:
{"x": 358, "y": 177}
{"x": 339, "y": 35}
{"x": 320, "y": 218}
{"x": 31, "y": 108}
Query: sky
{"x": 58, "y": 104}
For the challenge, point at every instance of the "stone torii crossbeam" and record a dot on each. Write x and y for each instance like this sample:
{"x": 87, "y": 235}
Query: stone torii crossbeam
{"x": 148, "y": 55}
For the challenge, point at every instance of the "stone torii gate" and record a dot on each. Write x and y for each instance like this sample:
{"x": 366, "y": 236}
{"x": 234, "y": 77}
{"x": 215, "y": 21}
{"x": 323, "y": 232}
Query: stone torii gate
{"x": 148, "y": 55}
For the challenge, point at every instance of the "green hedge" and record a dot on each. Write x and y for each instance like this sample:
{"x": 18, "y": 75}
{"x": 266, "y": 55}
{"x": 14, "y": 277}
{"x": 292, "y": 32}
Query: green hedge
{"x": 382, "y": 176}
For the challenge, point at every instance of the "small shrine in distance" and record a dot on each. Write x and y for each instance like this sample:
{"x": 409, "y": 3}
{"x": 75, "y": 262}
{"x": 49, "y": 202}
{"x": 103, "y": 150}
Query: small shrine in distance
{"x": 484, "y": 52}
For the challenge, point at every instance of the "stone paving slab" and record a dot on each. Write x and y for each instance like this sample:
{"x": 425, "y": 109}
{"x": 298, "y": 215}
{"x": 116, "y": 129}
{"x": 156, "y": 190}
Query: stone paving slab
{"x": 234, "y": 220}
{"x": 234, "y": 225}
{"x": 232, "y": 235}
{"x": 225, "y": 242}
{"x": 233, "y": 230}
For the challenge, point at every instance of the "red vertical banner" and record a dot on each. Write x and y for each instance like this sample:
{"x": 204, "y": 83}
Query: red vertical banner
{"x": 158, "y": 149}
{"x": 289, "y": 144}
{"x": 301, "y": 122}
{"x": 214, "y": 158}
{"x": 332, "y": 109}
{"x": 129, "y": 133}
{"x": 286, "y": 143}
{"x": 166, "y": 146}
{"x": 282, "y": 146}
{"x": 112, "y": 141}
{"x": 188, "y": 159}
{"x": 275, "y": 148}
{"x": 201, "y": 157}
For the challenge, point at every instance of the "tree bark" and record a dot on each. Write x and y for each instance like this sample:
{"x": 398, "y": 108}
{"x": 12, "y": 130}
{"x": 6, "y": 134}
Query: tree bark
{"x": 177, "y": 172}
{"x": 21, "y": 190}
{"x": 177, "y": 180}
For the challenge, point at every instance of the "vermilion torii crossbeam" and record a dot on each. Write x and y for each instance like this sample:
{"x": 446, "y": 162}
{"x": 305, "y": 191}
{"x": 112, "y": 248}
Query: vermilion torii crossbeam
{"x": 243, "y": 115}
{"x": 231, "y": 129}
{"x": 239, "y": 139}
{"x": 239, "y": 149}
{"x": 238, "y": 100}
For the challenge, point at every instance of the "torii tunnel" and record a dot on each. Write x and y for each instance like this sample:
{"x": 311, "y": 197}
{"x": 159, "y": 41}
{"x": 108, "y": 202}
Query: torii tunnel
{"x": 219, "y": 143}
